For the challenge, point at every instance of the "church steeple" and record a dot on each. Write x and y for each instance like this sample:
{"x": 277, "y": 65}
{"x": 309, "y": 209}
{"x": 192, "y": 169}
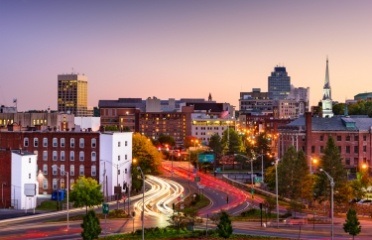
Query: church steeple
{"x": 209, "y": 97}
{"x": 327, "y": 99}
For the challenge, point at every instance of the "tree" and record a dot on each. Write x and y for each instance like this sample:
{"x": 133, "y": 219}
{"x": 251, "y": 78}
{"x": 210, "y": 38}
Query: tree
{"x": 147, "y": 156}
{"x": 91, "y": 226}
{"x": 215, "y": 144}
{"x": 339, "y": 109}
{"x": 86, "y": 192}
{"x": 231, "y": 142}
{"x": 352, "y": 224}
{"x": 224, "y": 227}
{"x": 166, "y": 139}
{"x": 331, "y": 163}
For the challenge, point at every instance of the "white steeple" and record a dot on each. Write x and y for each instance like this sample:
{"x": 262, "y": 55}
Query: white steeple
{"x": 327, "y": 99}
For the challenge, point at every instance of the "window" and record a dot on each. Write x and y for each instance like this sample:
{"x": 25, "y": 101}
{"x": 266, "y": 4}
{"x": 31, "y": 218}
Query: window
{"x": 81, "y": 170}
{"x": 126, "y": 143}
{"x": 45, "y": 142}
{"x": 94, "y": 142}
{"x": 81, "y": 143}
{"x": 118, "y": 157}
{"x": 45, "y": 183}
{"x": 62, "y": 155}
{"x": 347, "y": 161}
{"x": 126, "y": 171}
{"x": 321, "y": 149}
{"x": 93, "y": 171}
{"x": 29, "y": 176}
{"x": 54, "y": 155}
{"x": 126, "y": 157}
{"x": 25, "y": 142}
{"x": 339, "y": 149}
{"x": 72, "y": 170}
{"x": 72, "y": 142}
{"x": 45, "y": 155}
{"x": 54, "y": 170}
{"x": 364, "y": 138}
{"x": 45, "y": 169}
{"x": 72, "y": 156}
{"x": 62, "y": 142}
{"x": 356, "y": 149}
{"x": 347, "y": 149}
{"x": 119, "y": 144}
{"x": 93, "y": 156}
{"x": 81, "y": 156}
{"x": 54, "y": 183}
{"x": 36, "y": 142}
{"x": 364, "y": 148}
{"x": 312, "y": 149}
{"x": 321, "y": 138}
{"x": 339, "y": 138}
{"x": 347, "y": 138}
{"x": 356, "y": 138}
{"x": 62, "y": 170}
{"x": 55, "y": 142}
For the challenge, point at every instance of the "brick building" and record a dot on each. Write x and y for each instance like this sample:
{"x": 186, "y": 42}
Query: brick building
{"x": 57, "y": 152}
{"x": 352, "y": 135}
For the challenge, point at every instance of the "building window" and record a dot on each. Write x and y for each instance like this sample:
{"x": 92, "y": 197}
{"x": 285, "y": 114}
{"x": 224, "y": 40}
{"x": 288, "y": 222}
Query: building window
{"x": 312, "y": 149}
{"x": 54, "y": 170}
{"x": 81, "y": 156}
{"x": 45, "y": 155}
{"x": 347, "y": 149}
{"x": 339, "y": 138}
{"x": 62, "y": 142}
{"x": 25, "y": 142}
{"x": 81, "y": 142}
{"x": 126, "y": 157}
{"x": 364, "y": 148}
{"x": 93, "y": 171}
{"x": 347, "y": 138}
{"x": 54, "y": 183}
{"x": 347, "y": 161}
{"x": 118, "y": 157}
{"x": 72, "y": 142}
{"x": 364, "y": 138}
{"x": 93, "y": 156}
{"x": 72, "y": 170}
{"x": 126, "y": 143}
{"x": 45, "y": 142}
{"x": 81, "y": 170}
{"x": 356, "y": 138}
{"x": 356, "y": 149}
{"x": 55, "y": 142}
{"x": 45, "y": 169}
{"x": 54, "y": 155}
{"x": 45, "y": 184}
{"x": 321, "y": 149}
{"x": 72, "y": 156}
{"x": 36, "y": 142}
{"x": 119, "y": 144}
{"x": 94, "y": 142}
{"x": 321, "y": 138}
{"x": 126, "y": 171}
{"x": 62, "y": 155}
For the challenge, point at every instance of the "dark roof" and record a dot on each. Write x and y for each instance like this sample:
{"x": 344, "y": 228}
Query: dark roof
{"x": 123, "y": 103}
{"x": 207, "y": 106}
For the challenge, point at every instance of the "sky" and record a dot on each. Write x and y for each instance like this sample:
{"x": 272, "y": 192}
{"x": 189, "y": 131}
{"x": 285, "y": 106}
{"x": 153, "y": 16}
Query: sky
{"x": 181, "y": 49}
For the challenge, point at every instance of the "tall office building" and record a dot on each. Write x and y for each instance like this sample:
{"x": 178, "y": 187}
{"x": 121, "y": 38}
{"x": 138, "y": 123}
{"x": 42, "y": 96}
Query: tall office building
{"x": 279, "y": 84}
{"x": 73, "y": 94}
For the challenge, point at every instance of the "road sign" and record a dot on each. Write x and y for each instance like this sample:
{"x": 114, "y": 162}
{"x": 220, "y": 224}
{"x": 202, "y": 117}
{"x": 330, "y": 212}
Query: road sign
{"x": 105, "y": 208}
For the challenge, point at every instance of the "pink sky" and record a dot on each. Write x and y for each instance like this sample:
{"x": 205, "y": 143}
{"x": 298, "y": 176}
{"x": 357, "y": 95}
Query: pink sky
{"x": 181, "y": 49}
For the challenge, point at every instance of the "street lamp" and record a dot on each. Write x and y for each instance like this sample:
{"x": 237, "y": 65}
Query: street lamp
{"x": 67, "y": 197}
{"x": 276, "y": 192}
{"x": 143, "y": 202}
{"x": 332, "y": 186}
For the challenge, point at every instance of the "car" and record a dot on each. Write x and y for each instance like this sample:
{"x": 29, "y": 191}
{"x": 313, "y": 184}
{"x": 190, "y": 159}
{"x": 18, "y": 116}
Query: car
{"x": 295, "y": 221}
{"x": 365, "y": 201}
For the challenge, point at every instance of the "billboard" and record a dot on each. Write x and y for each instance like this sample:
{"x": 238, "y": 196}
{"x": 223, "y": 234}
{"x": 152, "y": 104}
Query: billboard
{"x": 205, "y": 157}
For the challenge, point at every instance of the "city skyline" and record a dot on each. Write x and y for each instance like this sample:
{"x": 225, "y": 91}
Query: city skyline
{"x": 182, "y": 49}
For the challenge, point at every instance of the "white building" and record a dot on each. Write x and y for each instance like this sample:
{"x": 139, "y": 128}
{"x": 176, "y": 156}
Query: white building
{"x": 116, "y": 161}
{"x": 24, "y": 180}
{"x": 204, "y": 125}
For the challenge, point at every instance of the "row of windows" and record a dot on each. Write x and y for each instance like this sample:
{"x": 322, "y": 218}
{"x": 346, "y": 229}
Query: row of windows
{"x": 347, "y": 149}
{"x": 347, "y": 138}
{"x": 62, "y": 156}
{"x": 61, "y": 168}
{"x": 62, "y": 142}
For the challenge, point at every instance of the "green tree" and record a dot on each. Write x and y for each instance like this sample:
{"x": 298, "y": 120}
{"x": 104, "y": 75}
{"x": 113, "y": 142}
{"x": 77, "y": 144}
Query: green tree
{"x": 231, "y": 142}
{"x": 215, "y": 144}
{"x": 339, "y": 109}
{"x": 166, "y": 139}
{"x": 331, "y": 163}
{"x": 91, "y": 226}
{"x": 352, "y": 224}
{"x": 86, "y": 192}
{"x": 224, "y": 227}
{"x": 112, "y": 128}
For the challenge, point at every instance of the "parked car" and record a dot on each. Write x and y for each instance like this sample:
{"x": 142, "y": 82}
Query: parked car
{"x": 295, "y": 221}
{"x": 365, "y": 201}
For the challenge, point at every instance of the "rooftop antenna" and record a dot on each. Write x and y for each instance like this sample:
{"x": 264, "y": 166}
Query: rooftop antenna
{"x": 15, "y": 103}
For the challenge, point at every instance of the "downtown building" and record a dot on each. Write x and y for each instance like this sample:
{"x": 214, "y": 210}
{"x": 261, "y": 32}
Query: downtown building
{"x": 73, "y": 94}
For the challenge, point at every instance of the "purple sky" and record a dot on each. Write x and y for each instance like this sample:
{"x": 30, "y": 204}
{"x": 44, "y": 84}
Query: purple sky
{"x": 179, "y": 49}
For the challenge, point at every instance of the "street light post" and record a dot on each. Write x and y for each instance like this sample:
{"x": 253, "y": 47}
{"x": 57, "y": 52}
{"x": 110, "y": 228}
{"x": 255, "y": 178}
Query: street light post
{"x": 276, "y": 193}
{"x": 332, "y": 186}
{"x": 143, "y": 203}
